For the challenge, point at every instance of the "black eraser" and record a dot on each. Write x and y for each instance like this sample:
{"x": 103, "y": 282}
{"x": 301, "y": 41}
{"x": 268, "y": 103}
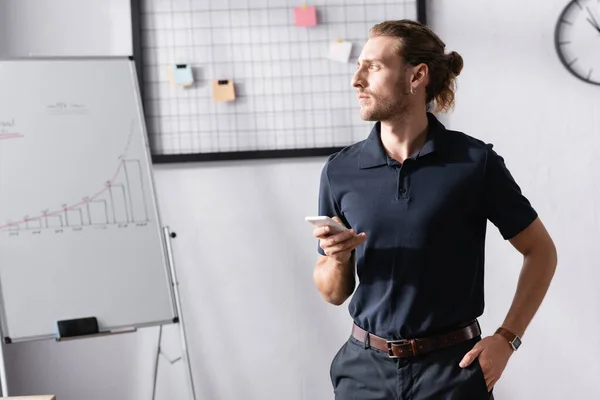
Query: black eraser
{"x": 181, "y": 65}
{"x": 225, "y": 82}
{"x": 77, "y": 327}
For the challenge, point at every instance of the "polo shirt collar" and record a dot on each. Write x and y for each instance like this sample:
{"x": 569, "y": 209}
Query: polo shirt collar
{"x": 373, "y": 153}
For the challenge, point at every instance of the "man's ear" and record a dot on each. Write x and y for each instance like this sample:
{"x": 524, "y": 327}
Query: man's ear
{"x": 420, "y": 75}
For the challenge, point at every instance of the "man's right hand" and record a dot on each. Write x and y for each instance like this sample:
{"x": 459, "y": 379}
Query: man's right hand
{"x": 339, "y": 246}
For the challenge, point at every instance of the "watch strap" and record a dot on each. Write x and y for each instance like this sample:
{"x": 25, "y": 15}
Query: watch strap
{"x": 513, "y": 339}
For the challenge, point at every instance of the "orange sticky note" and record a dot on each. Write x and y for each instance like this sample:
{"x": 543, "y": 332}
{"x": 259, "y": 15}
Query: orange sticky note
{"x": 305, "y": 16}
{"x": 171, "y": 81}
{"x": 223, "y": 90}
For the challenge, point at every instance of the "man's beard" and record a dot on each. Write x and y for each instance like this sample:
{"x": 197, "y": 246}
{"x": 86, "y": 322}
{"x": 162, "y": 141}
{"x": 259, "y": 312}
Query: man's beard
{"x": 387, "y": 109}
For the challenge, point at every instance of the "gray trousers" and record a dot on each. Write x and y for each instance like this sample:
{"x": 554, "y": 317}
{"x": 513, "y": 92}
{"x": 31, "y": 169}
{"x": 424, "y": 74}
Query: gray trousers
{"x": 359, "y": 372}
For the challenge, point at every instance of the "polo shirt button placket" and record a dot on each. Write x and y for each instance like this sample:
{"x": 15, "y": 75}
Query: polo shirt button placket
{"x": 402, "y": 191}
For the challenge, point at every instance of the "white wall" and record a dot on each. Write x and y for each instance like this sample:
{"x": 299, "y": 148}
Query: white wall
{"x": 244, "y": 255}
{"x": 66, "y": 28}
{"x": 2, "y": 29}
{"x": 258, "y": 328}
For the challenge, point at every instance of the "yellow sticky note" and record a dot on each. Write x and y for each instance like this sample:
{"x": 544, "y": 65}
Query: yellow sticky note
{"x": 223, "y": 90}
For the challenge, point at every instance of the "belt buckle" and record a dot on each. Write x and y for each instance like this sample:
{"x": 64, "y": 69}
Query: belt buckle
{"x": 391, "y": 343}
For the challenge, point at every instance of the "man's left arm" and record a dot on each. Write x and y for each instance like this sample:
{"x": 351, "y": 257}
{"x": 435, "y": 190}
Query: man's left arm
{"x": 539, "y": 264}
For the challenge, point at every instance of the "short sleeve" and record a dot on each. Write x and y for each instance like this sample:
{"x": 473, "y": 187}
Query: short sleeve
{"x": 505, "y": 205}
{"x": 328, "y": 204}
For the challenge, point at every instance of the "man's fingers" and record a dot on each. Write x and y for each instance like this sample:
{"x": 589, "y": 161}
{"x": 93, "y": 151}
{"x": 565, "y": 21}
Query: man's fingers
{"x": 336, "y": 242}
{"x": 321, "y": 232}
{"x": 360, "y": 238}
{"x": 336, "y": 238}
{"x": 490, "y": 384}
{"x": 346, "y": 245}
{"x": 470, "y": 356}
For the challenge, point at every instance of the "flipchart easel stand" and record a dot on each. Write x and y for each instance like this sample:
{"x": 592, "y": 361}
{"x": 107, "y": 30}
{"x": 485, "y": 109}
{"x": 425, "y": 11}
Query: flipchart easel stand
{"x": 167, "y": 235}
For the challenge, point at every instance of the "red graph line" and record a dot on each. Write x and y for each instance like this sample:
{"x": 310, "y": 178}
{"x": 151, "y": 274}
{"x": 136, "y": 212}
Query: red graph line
{"x": 68, "y": 208}
{"x": 10, "y": 136}
{"x": 83, "y": 202}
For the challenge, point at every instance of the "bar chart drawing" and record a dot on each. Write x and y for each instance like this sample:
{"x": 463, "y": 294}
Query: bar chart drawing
{"x": 52, "y": 221}
{"x": 74, "y": 217}
{"x": 33, "y": 223}
{"x": 122, "y": 201}
{"x": 97, "y": 212}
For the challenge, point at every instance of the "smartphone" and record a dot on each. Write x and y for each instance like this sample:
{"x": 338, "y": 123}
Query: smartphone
{"x": 336, "y": 227}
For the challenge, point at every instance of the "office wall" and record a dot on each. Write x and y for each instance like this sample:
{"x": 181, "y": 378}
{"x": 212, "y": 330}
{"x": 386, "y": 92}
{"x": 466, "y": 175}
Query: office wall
{"x": 257, "y": 329}
{"x": 66, "y": 27}
{"x": 2, "y": 30}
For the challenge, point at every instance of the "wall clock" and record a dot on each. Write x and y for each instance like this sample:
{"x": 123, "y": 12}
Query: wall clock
{"x": 577, "y": 39}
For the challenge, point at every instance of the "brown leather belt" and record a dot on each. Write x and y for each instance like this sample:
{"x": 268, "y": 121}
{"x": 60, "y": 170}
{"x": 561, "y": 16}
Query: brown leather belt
{"x": 413, "y": 347}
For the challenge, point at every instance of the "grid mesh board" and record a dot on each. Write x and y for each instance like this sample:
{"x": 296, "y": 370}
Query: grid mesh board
{"x": 289, "y": 95}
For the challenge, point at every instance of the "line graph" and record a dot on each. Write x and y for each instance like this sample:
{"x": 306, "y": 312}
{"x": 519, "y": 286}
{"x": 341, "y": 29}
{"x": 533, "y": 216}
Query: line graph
{"x": 120, "y": 201}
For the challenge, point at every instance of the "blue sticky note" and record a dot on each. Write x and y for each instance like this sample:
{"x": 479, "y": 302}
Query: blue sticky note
{"x": 182, "y": 75}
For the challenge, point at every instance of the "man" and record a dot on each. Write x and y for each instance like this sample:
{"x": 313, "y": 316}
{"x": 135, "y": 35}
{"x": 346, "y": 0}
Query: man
{"x": 417, "y": 198}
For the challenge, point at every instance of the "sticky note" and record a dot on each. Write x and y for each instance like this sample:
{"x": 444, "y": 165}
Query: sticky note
{"x": 181, "y": 75}
{"x": 340, "y": 51}
{"x": 305, "y": 16}
{"x": 223, "y": 90}
{"x": 170, "y": 74}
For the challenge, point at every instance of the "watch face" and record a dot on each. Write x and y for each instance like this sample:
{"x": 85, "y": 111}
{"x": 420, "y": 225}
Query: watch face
{"x": 516, "y": 343}
{"x": 577, "y": 39}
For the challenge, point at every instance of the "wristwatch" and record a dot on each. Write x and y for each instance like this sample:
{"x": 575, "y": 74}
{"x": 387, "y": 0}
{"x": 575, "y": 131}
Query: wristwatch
{"x": 513, "y": 339}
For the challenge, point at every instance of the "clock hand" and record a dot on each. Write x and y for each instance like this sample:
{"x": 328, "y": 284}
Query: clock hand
{"x": 594, "y": 23}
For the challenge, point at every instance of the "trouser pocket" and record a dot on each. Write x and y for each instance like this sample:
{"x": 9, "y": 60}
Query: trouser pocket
{"x": 480, "y": 376}
{"x": 332, "y": 367}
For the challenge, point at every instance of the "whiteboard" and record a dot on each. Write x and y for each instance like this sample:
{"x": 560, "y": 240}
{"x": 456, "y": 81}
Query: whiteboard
{"x": 80, "y": 233}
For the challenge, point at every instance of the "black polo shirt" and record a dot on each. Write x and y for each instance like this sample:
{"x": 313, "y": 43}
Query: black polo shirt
{"x": 421, "y": 268}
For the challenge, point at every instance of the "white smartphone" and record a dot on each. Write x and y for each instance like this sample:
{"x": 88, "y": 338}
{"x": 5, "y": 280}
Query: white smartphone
{"x": 336, "y": 227}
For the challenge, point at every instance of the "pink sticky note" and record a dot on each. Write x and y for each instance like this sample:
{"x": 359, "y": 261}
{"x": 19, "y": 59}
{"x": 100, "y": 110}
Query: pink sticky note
{"x": 305, "y": 16}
